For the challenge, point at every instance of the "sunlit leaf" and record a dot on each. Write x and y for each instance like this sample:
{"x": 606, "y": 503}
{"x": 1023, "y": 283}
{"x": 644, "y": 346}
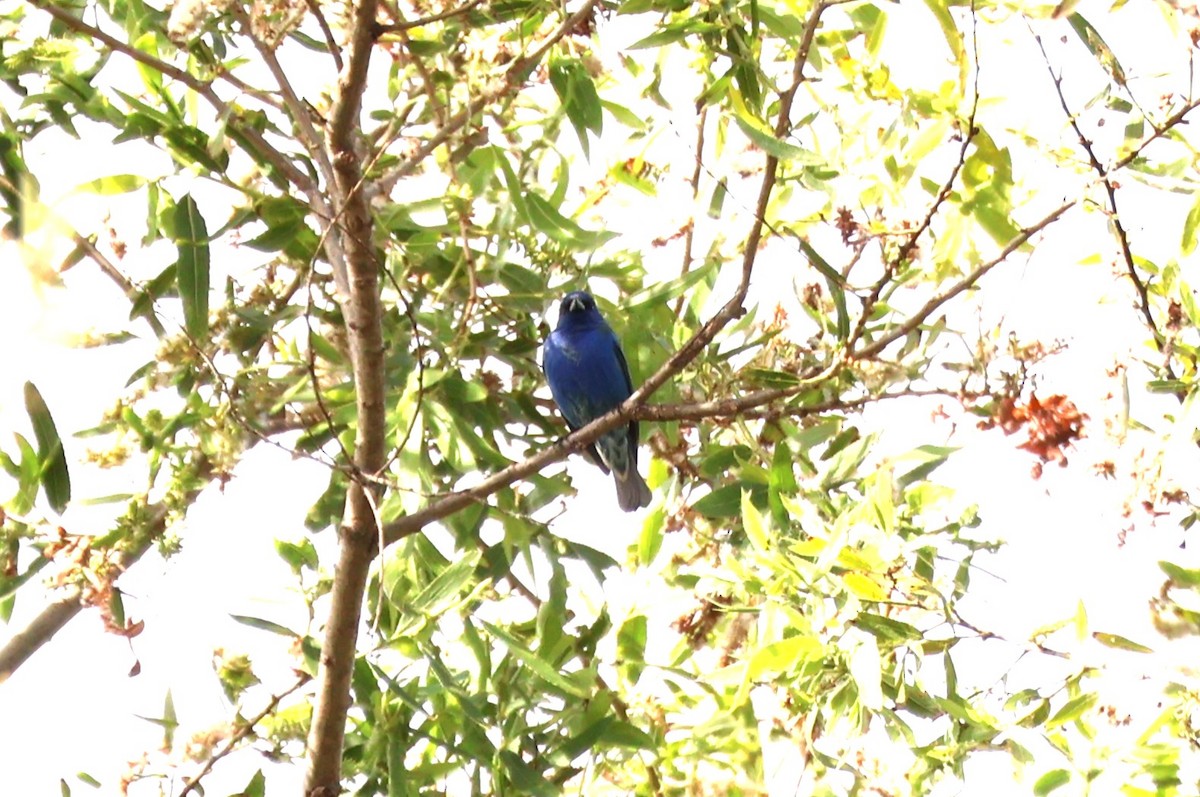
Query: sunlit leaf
{"x": 1119, "y": 642}
{"x": 53, "y": 475}
{"x": 1051, "y": 781}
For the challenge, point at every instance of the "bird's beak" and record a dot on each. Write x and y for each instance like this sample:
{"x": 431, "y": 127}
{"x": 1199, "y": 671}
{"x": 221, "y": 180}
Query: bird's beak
{"x": 574, "y": 305}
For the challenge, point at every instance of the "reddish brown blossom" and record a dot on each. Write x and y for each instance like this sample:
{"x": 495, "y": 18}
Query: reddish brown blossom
{"x": 698, "y": 623}
{"x": 1051, "y": 424}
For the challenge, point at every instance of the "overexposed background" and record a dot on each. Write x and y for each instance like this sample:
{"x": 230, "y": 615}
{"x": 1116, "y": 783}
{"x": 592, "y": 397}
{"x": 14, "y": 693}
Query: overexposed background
{"x": 1074, "y": 539}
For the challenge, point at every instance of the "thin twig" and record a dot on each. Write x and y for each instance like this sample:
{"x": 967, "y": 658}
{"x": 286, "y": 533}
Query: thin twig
{"x": 1170, "y": 123}
{"x": 690, "y": 237}
{"x": 919, "y": 317}
{"x": 202, "y": 87}
{"x": 245, "y": 728}
{"x": 734, "y": 307}
{"x": 1143, "y": 293}
{"x": 315, "y": 9}
{"x": 934, "y": 208}
{"x": 296, "y": 108}
{"x": 512, "y": 80}
{"x": 438, "y": 107}
{"x": 407, "y": 25}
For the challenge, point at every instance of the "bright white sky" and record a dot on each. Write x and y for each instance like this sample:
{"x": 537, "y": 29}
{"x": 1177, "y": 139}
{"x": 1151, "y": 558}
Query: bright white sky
{"x": 79, "y": 710}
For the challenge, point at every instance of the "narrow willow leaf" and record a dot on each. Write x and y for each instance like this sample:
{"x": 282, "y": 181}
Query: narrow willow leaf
{"x": 1072, "y": 710}
{"x": 434, "y": 599}
{"x": 1119, "y": 642}
{"x": 1098, "y": 47}
{"x": 55, "y": 480}
{"x": 1188, "y": 244}
{"x": 753, "y": 523}
{"x": 650, "y": 540}
{"x": 780, "y": 656}
{"x": 1051, "y": 781}
{"x": 835, "y": 282}
{"x": 866, "y": 671}
{"x": 540, "y": 667}
{"x": 264, "y": 625}
{"x": 954, "y": 39}
{"x": 191, "y": 237}
{"x": 114, "y": 184}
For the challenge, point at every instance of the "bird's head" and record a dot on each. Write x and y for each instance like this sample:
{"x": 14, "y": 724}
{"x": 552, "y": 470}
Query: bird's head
{"x": 578, "y": 308}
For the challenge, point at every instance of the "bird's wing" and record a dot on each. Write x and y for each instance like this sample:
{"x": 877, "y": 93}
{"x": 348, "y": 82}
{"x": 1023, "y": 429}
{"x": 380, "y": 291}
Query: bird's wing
{"x": 624, "y": 365}
{"x": 633, "y": 425}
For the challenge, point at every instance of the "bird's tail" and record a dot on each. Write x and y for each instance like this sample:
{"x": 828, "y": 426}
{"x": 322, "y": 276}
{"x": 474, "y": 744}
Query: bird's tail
{"x": 632, "y": 492}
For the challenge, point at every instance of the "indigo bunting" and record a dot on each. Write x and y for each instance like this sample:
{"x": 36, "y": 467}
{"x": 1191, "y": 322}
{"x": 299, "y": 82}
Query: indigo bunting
{"x": 588, "y": 377}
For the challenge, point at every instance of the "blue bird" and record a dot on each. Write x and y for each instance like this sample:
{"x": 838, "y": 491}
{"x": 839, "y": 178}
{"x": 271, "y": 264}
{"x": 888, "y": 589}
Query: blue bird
{"x": 588, "y": 377}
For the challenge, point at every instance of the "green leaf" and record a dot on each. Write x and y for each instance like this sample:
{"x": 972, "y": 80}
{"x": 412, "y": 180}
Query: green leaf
{"x": 866, "y": 671}
{"x": 432, "y": 600}
{"x": 52, "y": 461}
{"x": 721, "y": 502}
{"x": 191, "y": 238}
{"x": 767, "y": 142}
{"x": 953, "y": 38}
{"x": 27, "y": 472}
{"x": 650, "y": 540}
{"x": 1051, "y": 781}
{"x": 1188, "y": 245}
{"x": 782, "y": 655}
{"x": 257, "y": 787}
{"x": 835, "y": 282}
{"x": 631, "y": 645}
{"x": 10, "y": 584}
{"x": 753, "y": 523}
{"x": 886, "y": 629}
{"x": 1098, "y": 47}
{"x": 1119, "y": 642}
{"x": 624, "y": 734}
{"x": 1182, "y": 576}
{"x": 298, "y": 555}
{"x": 546, "y": 218}
{"x": 88, "y": 779}
{"x": 930, "y": 457}
{"x": 540, "y": 667}
{"x": 1072, "y": 710}
{"x": 264, "y": 625}
{"x": 992, "y": 212}
{"x": 864, "y": 586}
{"x": 577, "y": 92}
{"x": 114, "y": 184}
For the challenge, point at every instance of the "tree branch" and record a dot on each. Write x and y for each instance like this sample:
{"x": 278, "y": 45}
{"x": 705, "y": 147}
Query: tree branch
{"x": 919, "y": 317}
{"x": 1143, "y": 294}
{"x": 1168, "y": 124}
{"x": 245, "y": 728}
{"x": 314, "y": 8}
{"x": 201, "y": 87}
{"x": 363, "y": 312}
{"x": 56, "y": 615}
{"x": 296, "y": 109}
{"x": 689, "y": 237}
{"x": 512, "y": 80}
{"x": 110, "y": 270}
{"x": 733, "y": 308}
{"x": 910, "y": 242}
{"x": 407, "y": 25}
{"x": 41, "y": 629}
